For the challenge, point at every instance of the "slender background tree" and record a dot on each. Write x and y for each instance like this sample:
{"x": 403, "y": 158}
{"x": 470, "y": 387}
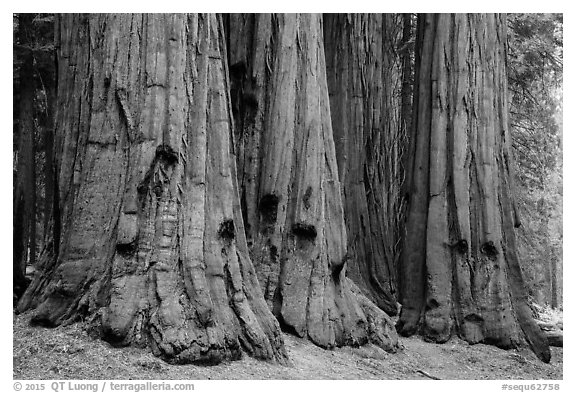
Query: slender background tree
{"x": 24, "y": 217}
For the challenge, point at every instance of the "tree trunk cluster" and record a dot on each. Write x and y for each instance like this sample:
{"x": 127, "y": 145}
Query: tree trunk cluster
{"x": 219, "y": 178}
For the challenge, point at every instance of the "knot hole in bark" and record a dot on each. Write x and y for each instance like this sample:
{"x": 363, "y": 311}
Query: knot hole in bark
{"x": 304, "y": 231}
{"x": 268, "y": 208}
{"x": 227, "y": 230}
{"x": 126, "y": 249}
{"x": 461, "y": 246}
{"x": 432, "y": 304}
{"x": 489, "y": 249}
{"x": 166, "y": 154}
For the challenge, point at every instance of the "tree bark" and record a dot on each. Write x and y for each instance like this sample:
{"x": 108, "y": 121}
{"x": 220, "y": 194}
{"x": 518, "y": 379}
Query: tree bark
{"x": 461, "y": 271}
{"x": 148, "y": 241}
{"x": 289, "y": 184}
{"x": 553, "y": 282}
{"x": 49, "y": 173}
{"x": 24, "y": 217}
{"x": 365, "y": 75}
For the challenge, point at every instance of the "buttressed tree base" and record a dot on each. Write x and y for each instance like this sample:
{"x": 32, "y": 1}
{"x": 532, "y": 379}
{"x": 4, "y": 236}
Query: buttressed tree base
{"x": 148, "y": 242}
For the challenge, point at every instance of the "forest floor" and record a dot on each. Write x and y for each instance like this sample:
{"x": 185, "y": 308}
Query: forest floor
{"x": 69, "y": 353}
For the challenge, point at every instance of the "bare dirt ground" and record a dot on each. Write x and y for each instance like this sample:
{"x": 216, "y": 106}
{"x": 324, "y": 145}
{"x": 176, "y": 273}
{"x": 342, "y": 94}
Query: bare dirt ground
{"x": 69, "y": 353}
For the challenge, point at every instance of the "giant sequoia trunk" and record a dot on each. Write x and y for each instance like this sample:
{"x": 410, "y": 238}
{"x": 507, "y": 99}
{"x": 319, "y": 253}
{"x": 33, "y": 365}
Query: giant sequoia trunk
{"x": 460, "y": 269}
{"x": 147, "y": 238}
{"x": 24, "y": 213}
{"x": 289, "y": 183}
{"x": 365, "y": 76}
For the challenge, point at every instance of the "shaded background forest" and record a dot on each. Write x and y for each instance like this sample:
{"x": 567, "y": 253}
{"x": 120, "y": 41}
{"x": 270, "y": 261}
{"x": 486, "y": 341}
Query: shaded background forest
{"x": 535, "y": 89}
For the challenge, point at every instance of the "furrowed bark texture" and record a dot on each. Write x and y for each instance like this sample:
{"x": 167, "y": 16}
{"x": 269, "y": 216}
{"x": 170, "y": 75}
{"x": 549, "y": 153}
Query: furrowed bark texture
{"x": 365, "y": 83}
{"x": 24, "y": 216}
{"x": 48, "y": 80}
{"x": 148, "y": 241}
{"x": 461, "y": 272}
{"x": 289, "y": 184}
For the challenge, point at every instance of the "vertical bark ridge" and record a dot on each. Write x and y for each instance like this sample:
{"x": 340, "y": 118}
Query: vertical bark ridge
{"x": 413, "y": 270}
{"x": 152, "y": 253}
{"x": 437, "y": 318}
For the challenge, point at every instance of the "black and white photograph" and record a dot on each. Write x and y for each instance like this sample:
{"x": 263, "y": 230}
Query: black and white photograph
{"x": 286, "y": 196}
